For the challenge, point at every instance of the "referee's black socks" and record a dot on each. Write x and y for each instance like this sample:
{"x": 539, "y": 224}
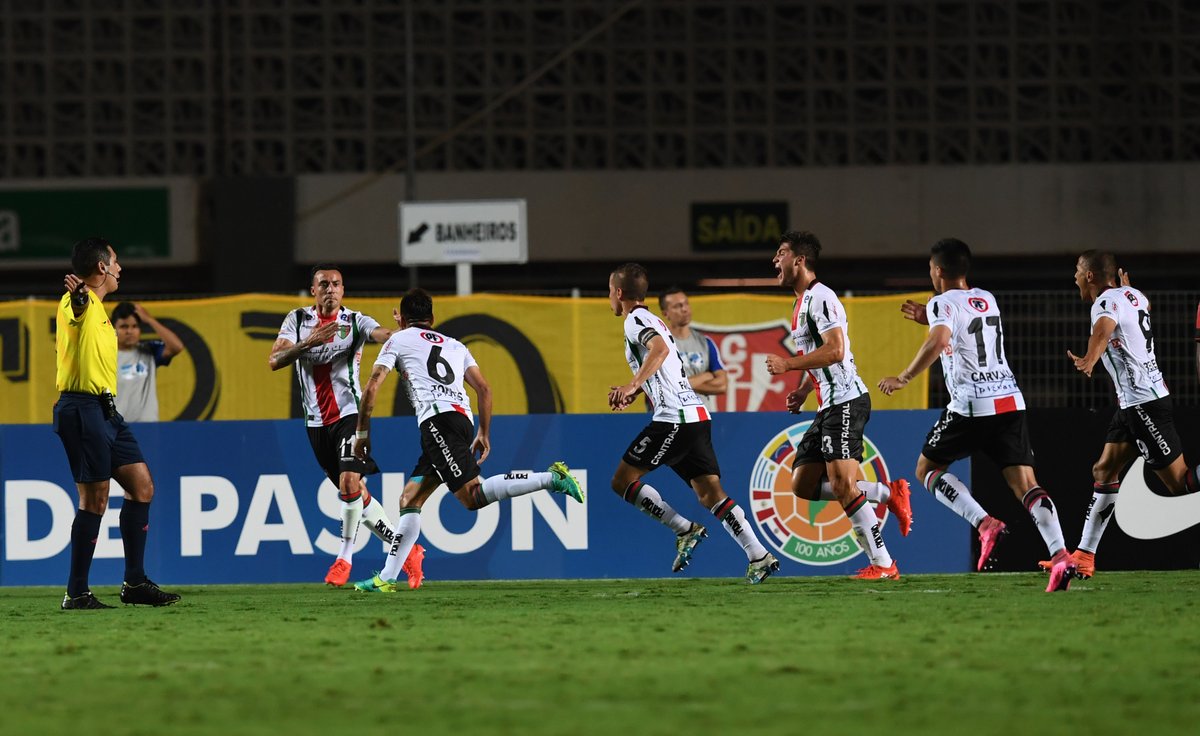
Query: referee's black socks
{"x": 85, "y": 530}
{"x": 135, "y": 523}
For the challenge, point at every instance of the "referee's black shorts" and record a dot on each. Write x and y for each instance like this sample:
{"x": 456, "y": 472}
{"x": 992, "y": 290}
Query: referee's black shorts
{"x": 95, "y": 446}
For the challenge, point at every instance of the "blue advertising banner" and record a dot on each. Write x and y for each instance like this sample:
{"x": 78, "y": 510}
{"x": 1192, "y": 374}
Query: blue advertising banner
{"x": 245, "y": 502}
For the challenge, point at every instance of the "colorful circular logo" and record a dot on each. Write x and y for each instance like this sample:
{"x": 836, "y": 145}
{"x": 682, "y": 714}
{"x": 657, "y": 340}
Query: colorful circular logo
{"x": 433, "y": 337}
{"x": 809, "y": 532}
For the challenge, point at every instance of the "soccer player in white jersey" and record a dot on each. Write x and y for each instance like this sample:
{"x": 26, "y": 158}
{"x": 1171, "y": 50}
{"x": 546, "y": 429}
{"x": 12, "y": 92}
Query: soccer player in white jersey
{"x": 679, "y": 434}
{"x": 432, "y": 367}
{"x": 986, "y": 412}
{"x": 325, "y": 341}
{"x": 829, "y": 456}
{"x": 1122, "y": 338}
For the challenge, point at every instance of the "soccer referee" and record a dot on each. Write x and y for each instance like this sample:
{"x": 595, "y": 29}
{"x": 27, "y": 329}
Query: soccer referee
{"x": 98, "y": 442}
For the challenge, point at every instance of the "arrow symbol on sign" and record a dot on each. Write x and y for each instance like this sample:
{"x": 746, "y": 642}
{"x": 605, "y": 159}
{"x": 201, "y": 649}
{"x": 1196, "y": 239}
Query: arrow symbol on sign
{"x": 414, "y": 236}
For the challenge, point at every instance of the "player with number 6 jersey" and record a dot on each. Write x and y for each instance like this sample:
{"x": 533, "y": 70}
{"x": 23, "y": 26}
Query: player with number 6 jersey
{"x": 433, "y": 367}
{"x": 679, "y": 434}
{"x": 1123, "y": 340}
{"x": 986, "y": 412}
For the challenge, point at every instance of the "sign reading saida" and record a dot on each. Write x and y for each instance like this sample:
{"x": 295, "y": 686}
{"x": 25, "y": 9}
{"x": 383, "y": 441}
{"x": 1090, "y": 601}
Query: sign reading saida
{"x": 469, "y": 231}
{"x": 738, "y": 225}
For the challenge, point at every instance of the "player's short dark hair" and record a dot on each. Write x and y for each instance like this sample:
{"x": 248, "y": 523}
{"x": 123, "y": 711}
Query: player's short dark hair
{"x": 322, "y": 267}
{"x": 952, "y": 256}
{"x": 87, "y": 253}
{"x": 1102, "y": 262}
{"x": 416, "y": 306}
{"x": 124, "y": 310}
{"x": 662, "y": 298}
{"x": 803, "y": 243}
{"x": 631, "y": 278}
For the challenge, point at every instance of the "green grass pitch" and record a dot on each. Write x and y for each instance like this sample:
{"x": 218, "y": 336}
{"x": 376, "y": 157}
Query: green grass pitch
{"x": 973, "y": 654}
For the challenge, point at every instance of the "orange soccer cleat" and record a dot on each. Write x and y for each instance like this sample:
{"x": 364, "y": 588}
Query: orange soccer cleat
{"x": 412, "y": 566}
{"x": 899, "y": 503}
{"x": 339, "y": 573}
{"x": 1085, "y": 564}
{"x": 875, "y": 572}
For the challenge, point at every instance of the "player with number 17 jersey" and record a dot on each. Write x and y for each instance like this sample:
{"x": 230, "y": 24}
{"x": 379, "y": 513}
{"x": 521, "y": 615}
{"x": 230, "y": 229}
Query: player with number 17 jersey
{"x": 431, "y": 367}
{"x": 977, "y": 374}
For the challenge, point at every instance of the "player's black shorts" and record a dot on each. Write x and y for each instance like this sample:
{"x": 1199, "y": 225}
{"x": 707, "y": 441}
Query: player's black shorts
{"x": 446, "y": 450}
{"x": 1150, "y": 426}
{"x": 836, "y": 433}
{"x": 1004, "y": 438}
{"x": 685, "y": 447}
{"x": 333, "y": 446}
{"x": 95, "y": 446}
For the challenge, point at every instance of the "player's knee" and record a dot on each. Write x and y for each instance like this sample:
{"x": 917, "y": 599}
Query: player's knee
{"x": 618, "y": 485}
{"x": 1101, "y": 473}
{"x": 95, "y": 504}
{"x": 471, "y": 496}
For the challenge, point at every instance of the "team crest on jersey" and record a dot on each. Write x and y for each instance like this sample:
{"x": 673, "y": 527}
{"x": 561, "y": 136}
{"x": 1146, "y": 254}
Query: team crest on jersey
{"x": 1132, "y": 299}
{"x": 979, "y": 304}
{"x": 433, "y": 337}
{"x": 809, "y": 532}
{"x": 343, "y": 331}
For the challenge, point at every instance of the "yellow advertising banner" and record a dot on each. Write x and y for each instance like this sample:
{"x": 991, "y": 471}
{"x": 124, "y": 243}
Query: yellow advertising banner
{"x": 541, "y": 354}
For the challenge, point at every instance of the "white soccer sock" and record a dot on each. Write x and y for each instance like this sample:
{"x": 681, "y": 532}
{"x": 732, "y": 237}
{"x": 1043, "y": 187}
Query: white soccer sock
{"x": 376, "y": 520}
{"x": 649, "y": 502}
{"x": 877, "y": 493}
{"x": 1041, "y": 509}
{"x": 351, "y": 514}
{"x": 408, "y": 528}
{"x": 1099, "y": 511}
{"x": 733, "y": 519}
{"x": 867, "y": 531}
{"x": 952, "y": 492}
{"x": 500, "y": 487}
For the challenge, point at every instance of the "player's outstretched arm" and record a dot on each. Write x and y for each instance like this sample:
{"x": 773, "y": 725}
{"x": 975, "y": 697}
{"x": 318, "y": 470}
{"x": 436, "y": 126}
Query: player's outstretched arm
{"x": 380, "y": 335}
{"x": 914, "y": 311}
{"x": 362, "y": 435}
{"x": 482, "y": 444}
{"x": 1101, "y": 332}
{"x": 935, "y": 343}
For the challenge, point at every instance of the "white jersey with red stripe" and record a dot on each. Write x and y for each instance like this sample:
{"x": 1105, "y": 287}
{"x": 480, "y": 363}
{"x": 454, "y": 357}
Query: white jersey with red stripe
{"x": 815, "y": 313}
{"x": 431, "y": 367}
{"x": 668, "y": 388}
{"x": 1129, "y": 355}
{"x": 975, "y": 365}
{"x": 328, "y": 374}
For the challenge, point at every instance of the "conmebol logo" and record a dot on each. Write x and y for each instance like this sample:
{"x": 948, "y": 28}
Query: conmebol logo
{"x": 809, "y": 532}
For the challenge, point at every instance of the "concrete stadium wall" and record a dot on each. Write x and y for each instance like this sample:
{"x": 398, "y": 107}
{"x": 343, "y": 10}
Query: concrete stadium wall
{"x": 858, "y": 212}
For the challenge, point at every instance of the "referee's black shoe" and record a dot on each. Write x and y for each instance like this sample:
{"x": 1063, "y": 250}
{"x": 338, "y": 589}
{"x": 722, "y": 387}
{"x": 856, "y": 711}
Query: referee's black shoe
{"x": 82, "y": 602}
{"x": 146, "y": 594}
